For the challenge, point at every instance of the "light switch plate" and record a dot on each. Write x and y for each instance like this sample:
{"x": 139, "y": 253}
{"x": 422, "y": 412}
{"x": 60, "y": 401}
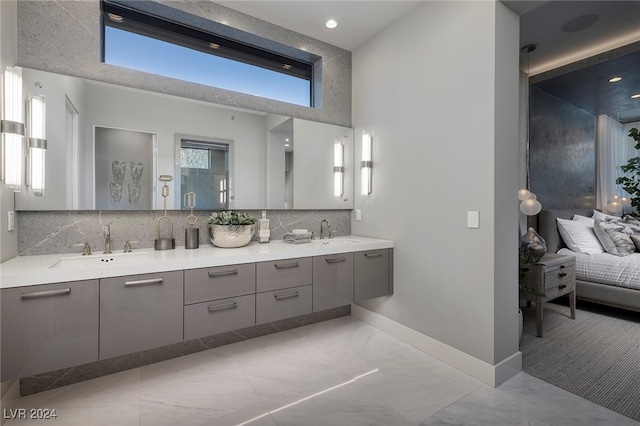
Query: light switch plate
{"x": 358, "y": 214}
{"x": 473, "y": 219}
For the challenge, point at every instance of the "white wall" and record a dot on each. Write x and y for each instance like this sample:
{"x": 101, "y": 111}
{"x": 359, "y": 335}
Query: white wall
{"x": 438, "y": 90}
{"x": 8, "y": 57}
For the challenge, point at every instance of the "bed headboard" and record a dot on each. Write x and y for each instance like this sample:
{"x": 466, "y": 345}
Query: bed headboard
{"x": 548, "y": 227}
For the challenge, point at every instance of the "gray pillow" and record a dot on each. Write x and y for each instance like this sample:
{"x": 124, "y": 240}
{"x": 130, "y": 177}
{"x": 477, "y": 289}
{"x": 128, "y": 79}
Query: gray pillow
{"x": 613, "y": 237}
{"x": 636, "y": 241}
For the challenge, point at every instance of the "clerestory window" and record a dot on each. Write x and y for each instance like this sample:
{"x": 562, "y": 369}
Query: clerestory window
{"x": 147, "y": 42}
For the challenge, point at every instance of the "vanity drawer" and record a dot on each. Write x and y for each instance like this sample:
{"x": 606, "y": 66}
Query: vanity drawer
{"x": 219, "y": 282}
{"x": 218, "y": 316}
{"x": 283, "y": 273}
{"x": 139, "y": 312}
{"x": 48, "y": 327}
{"x": 281, "y": 304}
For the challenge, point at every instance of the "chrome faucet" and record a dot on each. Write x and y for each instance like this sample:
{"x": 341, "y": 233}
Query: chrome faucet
{"x": 322, "y": 229}
{"x": 107, "y": 239}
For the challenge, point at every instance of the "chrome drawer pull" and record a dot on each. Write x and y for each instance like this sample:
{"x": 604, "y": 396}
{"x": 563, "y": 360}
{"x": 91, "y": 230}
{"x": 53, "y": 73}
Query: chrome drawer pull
{"x": 286, "y": 295}
{"x": 225, "y": 306}
{"x": 561, "y": 286}
{"x": 143, "y": 282}
{"x": 286, "y": 265}
{"x": 223, "y": 273}
{"x": 335, "y": 260}
{"x": 46, "y": 293}
{"x": 562, "y": 274}
{"x": 370, "y": 255}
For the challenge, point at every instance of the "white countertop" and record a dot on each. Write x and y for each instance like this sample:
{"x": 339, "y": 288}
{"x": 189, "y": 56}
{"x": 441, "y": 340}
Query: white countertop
{"x": 44, "y": 269}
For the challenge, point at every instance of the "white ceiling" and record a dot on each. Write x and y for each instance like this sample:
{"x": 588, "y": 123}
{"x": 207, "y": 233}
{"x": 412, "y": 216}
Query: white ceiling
{"x": 358, "y": 20}
{"x": 541, "y": 24}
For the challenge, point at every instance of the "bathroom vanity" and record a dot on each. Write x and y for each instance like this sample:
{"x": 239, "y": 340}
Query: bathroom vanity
{"x": 61, "y": 311}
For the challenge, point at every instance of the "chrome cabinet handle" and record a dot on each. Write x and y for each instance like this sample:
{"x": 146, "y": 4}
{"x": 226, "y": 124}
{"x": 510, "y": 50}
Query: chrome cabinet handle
{"x": 561, "y": 286}
{"x": 286, "y": 265}
{"x": 370, "y": 255}
{"x": 224, "y": 306}
{"x": 335, "y": 260}
{"x": 562, "y": 274}
{"x": 46, "y": 293}
{"x": 286, "y": 295}
{"x": 143, "y": 282}
{"x": 223, "y": 273}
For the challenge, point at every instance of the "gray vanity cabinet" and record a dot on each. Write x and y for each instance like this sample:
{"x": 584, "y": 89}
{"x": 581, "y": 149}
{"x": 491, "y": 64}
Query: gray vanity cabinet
{"x": 139, "y": 312}
{"x": 284, "y": 289}
{"x": 373, "y": 274}
{"x": 219, "y": 299}
{"x": 332, "y": 281}
{"x": 48, "y": 327}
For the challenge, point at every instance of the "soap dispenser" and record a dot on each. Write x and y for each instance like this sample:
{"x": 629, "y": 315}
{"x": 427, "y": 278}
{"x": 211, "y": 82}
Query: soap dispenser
{"x": 264, "y": 233}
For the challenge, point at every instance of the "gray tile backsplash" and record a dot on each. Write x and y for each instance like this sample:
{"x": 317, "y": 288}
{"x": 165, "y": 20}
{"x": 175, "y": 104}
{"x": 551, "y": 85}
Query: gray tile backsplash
{"x": 47, "y": 232}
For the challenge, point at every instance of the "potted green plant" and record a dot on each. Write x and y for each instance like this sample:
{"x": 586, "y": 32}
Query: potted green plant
{"x": 230, "y": 229}
{"x": 631, "y": 182}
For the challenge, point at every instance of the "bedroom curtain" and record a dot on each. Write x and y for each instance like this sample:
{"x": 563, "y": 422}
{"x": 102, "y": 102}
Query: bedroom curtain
{"x": 612, "y": 150}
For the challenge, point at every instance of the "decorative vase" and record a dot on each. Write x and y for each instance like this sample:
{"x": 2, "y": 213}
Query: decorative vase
{"x": 534, "y": 243}
{"x": 231, "y": 236}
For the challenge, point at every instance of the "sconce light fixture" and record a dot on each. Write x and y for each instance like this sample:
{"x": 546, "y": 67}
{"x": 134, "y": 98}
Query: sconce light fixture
{"x": 366, "y": 165}
{"x": 338, "y": 169}
{"x": 37, "y": 144}
{"x": 529, "y": 203}
{"x": 12, "y": 128}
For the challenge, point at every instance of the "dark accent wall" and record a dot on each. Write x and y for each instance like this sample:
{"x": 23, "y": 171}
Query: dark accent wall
{"x": 562, "y": 153}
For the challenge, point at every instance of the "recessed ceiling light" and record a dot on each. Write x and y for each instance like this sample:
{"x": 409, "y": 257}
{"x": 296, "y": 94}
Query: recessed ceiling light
{"x": 615, "y": 79}
{"x": 115, "y": 18}
{"x": 636, "y": 96}
{"x": 331, "y": 24}
{"x": 286, "y": 66}
{"x": 286, "y": 139}
{"x": 286, "y": 144}
{"x": 214, "y": 45}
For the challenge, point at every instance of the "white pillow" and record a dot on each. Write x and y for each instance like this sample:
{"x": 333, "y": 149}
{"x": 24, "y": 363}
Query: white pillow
{"x": 578, "y": 235}
{"x": 581, "y": 218}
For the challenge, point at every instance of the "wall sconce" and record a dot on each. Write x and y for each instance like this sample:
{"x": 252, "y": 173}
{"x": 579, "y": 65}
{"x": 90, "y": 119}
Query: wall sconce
{"x": 338, "y": 169}
{"x": 366, "y": 165}
{"x": 37, "y": 144}
{"x": 12, "y": 128}
{"x": 529, "y": 205}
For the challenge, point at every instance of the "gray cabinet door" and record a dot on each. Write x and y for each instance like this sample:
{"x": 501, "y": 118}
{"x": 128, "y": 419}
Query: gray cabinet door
{"x": 283, "y": 273}
{"x": 218, "y": 316}
{"x": 48, "y": 327}
{"x": 219, "y": 282}
{"x": 332, "y": 281}
{"x": 373, "y": 274}
{"x": 139, "y": 312}
{"x": 281, "y": 304}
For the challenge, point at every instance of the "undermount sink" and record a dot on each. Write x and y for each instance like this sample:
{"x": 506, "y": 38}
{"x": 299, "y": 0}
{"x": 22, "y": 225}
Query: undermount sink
{"x": 99, "y": 260}
{"x": 336, "y": 242}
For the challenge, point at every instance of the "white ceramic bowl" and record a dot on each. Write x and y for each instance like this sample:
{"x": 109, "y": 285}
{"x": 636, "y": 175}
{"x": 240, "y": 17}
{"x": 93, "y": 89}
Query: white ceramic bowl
{"x": 231, "y": 236}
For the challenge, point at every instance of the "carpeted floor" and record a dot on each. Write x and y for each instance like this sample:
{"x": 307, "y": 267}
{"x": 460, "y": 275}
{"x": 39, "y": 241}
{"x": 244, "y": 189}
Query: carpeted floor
{"x": 596, "y": 356}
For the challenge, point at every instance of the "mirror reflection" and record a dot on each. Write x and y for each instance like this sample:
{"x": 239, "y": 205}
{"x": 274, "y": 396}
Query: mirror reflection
{"x": 231, "y": 158}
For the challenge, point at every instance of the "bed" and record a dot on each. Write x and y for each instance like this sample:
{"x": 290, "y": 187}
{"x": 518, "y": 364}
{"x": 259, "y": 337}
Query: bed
{"x": 617, "y": 284}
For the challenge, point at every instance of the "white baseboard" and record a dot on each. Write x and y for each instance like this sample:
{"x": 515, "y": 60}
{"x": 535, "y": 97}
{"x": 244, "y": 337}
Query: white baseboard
{"x": 492, "y": 375}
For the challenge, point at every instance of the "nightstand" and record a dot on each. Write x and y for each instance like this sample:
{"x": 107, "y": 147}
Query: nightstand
{"x": 555, "y": 277}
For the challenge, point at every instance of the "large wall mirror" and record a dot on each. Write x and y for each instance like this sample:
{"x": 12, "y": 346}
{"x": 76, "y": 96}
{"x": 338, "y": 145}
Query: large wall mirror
{"x": 108, "y": 144}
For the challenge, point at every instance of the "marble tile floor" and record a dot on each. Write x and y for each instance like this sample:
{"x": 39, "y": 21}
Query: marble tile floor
{"x": 338, "y": 372}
